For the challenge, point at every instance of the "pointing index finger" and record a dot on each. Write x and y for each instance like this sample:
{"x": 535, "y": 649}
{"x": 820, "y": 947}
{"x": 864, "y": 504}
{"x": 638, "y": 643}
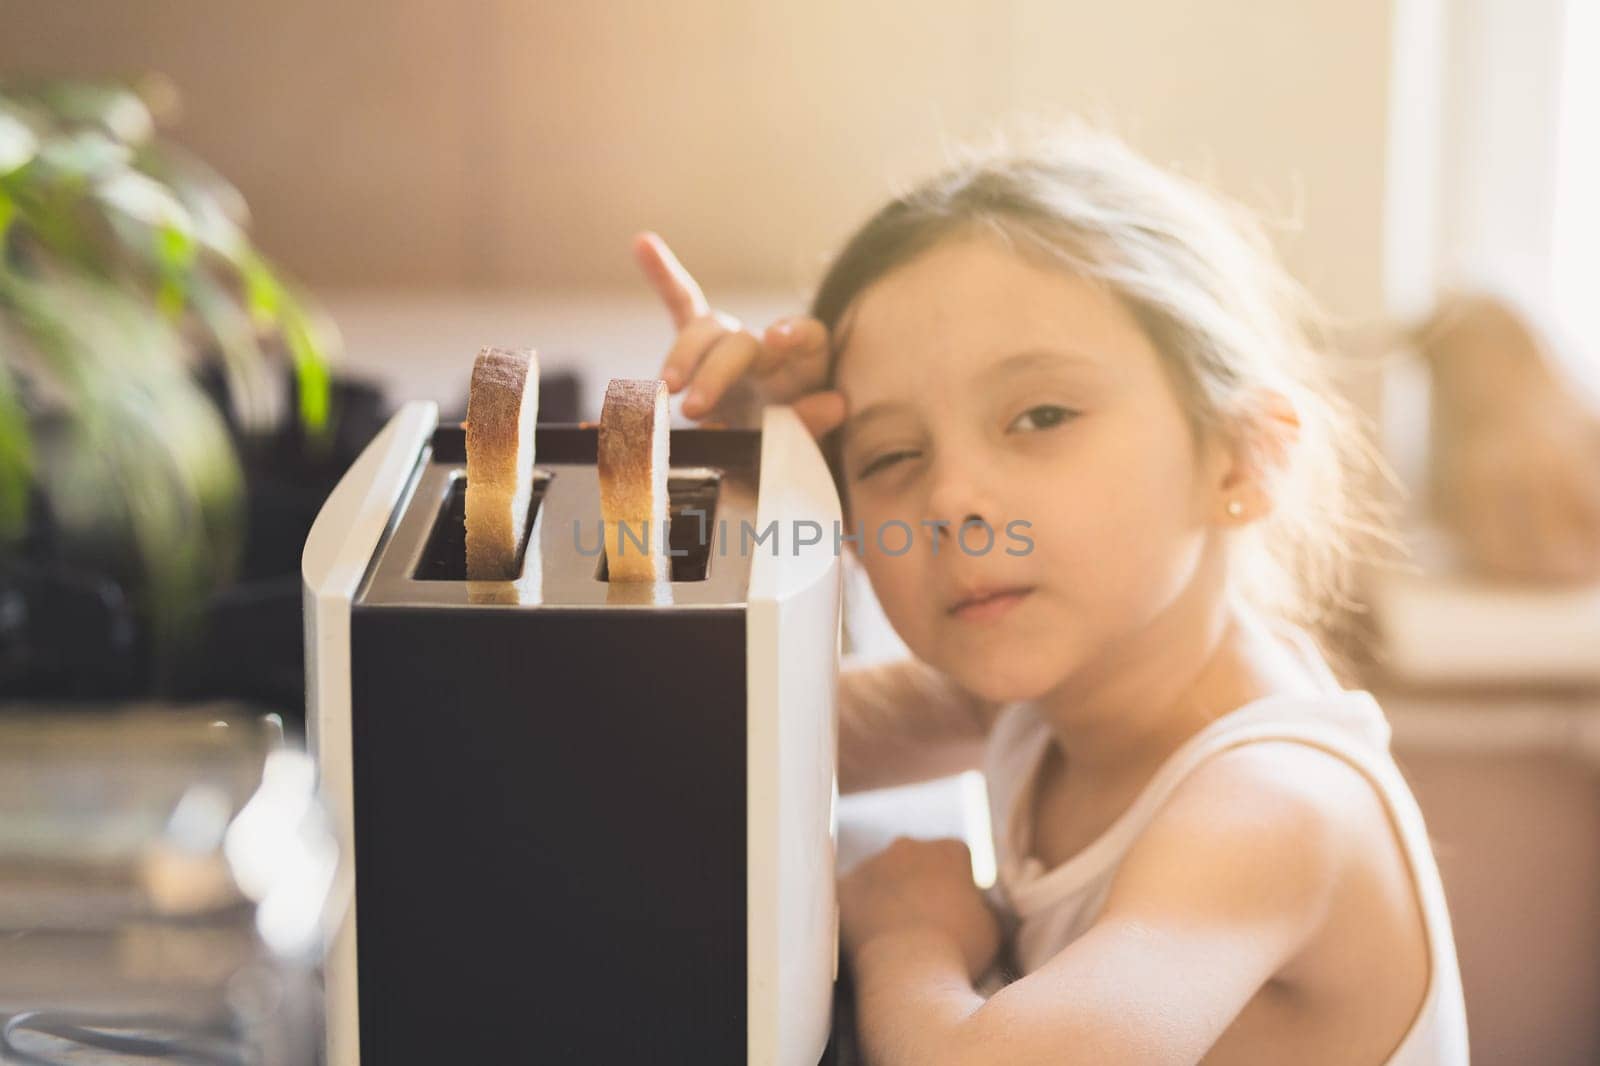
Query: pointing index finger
{"x": 675, "y": 285}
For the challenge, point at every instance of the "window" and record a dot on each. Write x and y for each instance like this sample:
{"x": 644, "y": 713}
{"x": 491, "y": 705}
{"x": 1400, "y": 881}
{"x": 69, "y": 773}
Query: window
{"x": 1575, "y": 242}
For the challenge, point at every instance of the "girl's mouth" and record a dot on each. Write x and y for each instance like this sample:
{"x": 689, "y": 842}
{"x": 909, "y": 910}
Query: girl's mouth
{"x": 991, "y": 606}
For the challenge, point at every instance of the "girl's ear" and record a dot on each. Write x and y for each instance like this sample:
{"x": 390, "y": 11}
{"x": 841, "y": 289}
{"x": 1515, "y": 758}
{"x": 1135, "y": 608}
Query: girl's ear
{"x": 1255, "y": 455}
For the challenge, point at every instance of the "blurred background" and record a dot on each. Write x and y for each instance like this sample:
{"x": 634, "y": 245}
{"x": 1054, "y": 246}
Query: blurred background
{"x": 316, "y": 211}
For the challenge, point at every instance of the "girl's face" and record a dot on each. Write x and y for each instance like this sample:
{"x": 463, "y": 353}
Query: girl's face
{"x": 984, "y": 387}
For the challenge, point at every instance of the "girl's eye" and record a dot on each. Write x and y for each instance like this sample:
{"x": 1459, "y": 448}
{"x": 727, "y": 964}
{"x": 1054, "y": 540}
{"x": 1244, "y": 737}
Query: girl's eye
{"x": 1046, "y": 416}
{"x": 882, "y": 461}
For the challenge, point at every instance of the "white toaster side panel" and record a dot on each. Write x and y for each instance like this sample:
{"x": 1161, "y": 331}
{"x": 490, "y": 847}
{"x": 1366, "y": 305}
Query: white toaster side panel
{"x": 794, "y": 641}
{"x": 338, "y": 549}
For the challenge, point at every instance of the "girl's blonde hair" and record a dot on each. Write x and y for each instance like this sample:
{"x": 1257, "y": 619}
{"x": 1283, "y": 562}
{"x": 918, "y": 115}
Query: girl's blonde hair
{"x": 1203, "y": 281}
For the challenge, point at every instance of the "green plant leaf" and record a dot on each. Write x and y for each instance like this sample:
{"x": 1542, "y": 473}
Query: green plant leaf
{"x": 16, "y": 462}
{"x": 143, "y": 199}
{"x": 175, "y": 254}
{"x": 217, "y": 209}
{"x": 252, "y": 388}
{"x": 81, "y": 157}
{"x": 272, "y": 304}
{"x": 18, "y": 145}
{"x": 116, "y": 109}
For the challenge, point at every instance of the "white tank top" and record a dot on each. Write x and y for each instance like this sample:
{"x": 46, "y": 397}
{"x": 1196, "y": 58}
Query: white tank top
{"x": 1048, "y": 909}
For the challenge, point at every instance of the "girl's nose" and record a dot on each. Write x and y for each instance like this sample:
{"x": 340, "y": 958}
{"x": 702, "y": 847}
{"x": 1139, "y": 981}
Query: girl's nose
{"x": 951, "y": 530}
{"x": 957, "y": 498}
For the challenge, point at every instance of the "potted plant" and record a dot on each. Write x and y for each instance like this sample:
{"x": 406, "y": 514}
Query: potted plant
{"x": 168, "y": 421}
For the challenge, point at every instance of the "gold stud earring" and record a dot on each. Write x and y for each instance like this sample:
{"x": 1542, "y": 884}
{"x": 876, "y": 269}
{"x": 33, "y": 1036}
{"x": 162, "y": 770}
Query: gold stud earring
{"x": 1235, "y": 508}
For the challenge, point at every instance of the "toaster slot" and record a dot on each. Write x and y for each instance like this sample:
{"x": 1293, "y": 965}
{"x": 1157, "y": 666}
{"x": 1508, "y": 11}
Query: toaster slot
{"x": 444, "y": 558}
{"x": 690, "y": 534}
{"x": 421, "y": 559}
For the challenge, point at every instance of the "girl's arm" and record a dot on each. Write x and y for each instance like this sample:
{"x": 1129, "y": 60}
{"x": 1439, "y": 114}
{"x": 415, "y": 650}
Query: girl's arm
{"x": 903, "y": 721}
{"x": 1225, "y": 887}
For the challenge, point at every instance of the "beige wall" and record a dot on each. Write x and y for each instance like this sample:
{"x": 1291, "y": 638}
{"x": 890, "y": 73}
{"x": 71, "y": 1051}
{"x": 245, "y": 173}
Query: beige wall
{"x": 493, "y": 143}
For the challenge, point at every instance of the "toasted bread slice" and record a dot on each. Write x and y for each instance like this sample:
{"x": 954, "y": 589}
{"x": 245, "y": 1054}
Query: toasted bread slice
{"x": 502, "y": 409}
{"x": 633, "y": 461}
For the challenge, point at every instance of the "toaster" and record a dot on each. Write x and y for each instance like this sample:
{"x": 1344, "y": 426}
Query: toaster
{"x": 588, "y": 821}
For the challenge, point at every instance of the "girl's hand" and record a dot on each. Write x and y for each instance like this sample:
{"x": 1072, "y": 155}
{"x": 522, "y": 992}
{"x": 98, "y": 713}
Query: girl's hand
{"x": 731, "y": 373}
{"x": 919, "y": 885}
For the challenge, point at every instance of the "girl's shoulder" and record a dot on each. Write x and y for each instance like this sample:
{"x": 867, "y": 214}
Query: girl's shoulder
{"x": 1290, "y": 842}
{"x": 1280, "y": 782}
{"x": 1283, "y": 829}
{"x": 1298, "y": 791}
{"x": 1312, "y": 769}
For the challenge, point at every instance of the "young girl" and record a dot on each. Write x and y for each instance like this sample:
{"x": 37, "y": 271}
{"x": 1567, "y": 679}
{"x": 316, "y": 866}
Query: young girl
{"x": 1205, "y": 849}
